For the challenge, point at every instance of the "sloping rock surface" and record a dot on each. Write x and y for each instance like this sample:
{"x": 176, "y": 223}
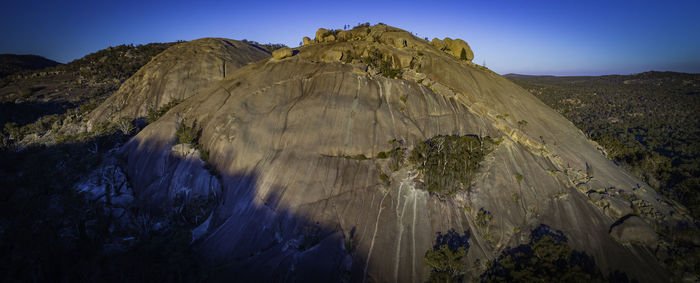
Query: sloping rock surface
{"x": 178, "y": 72}
{"x": 303, "y": 198}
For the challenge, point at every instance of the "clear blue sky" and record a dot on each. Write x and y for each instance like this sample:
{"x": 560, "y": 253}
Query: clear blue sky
{"x": 531, "y": 37}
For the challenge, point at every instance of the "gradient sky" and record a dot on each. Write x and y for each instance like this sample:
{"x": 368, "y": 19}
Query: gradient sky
{"x": 529, "y": 37}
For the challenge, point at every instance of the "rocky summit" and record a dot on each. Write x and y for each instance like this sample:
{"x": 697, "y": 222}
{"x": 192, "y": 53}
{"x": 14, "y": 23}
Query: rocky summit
{"x": 371, "y": 155}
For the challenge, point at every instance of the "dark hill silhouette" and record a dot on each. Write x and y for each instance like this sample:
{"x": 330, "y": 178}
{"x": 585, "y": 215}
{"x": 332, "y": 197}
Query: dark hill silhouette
{"x": 12, "y": 63}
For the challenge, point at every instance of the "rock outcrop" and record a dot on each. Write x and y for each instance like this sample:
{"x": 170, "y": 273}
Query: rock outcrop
{"x": 282, "y": 53}
{"x": 308, "y": 192}
{"x": 455, "y": 47}
{"x": 306, "y": 40}
{"x": 179, "y": 72}
{"x": 634, "y": 230}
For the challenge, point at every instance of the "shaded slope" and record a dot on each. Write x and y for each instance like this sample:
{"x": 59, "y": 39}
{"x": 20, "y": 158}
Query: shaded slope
{"x": 40, "y": 104}
{"x": 12, "y": 63}
{"x": 310, "y": 128}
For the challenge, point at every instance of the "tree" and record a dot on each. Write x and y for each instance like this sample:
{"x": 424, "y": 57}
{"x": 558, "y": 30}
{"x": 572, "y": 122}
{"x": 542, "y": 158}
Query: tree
{"x": 463, "y": 55}
{"x": 447, "y": 257}
{"x": 187, "y": 134}
{"x": 546, "y": 258}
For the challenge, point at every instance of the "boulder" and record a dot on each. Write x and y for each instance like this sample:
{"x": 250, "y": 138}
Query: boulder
{"x": 306, "y": 40}
{"x": 595, "y": 196}
{"x": 618, "y": 207}
{"x": 333, "y": 55}
{"x": 439, "y": 44}
{"x": 320, "y": 33}
{"x": 454, "y": 47}
{"x": 344, "y": 35}
{"x": 634, "y": 230}
{"x": 329, "y": 38}
{"x": 282, "y": 53}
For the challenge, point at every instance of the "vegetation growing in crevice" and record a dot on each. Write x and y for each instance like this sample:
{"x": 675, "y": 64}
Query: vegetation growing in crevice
{"x": 546, "y": 258}
{"x": 518, "y": 177}
{"x": 385, "y": 179}
{"x": 395, "y": 155}
{"x": 190, "y": 135}
{"x": 448, "y": 163}
{"x": 463, "y": 55}
{"x": 522, "y": 124}
{"x": 483, "y": 219}
{"x": 383, "y": 65}
{"x": 349, "y": 242}
{"x": 153, "y": 114}
{"x": 447, "y": 258}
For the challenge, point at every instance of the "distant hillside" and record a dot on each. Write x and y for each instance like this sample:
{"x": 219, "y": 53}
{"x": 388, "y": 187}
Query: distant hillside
{"x": 647, "y": 121}
{"x": 37, "y": 101}
{"x": 12, "y": 63}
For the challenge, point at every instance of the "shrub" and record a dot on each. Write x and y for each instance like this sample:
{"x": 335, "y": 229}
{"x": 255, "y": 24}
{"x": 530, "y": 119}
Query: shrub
{"x": 449, "y": 162}
{"x": 187, "y": 134}
{"x": 385, "y": 179}
{"x": 12, "y": 130}
{"x": 347, "y": 56}
{"x": 518, "y": 177}
{"x": 396, "y": 154}
{"x": 154, "y": 114}
{"x": 386, "y": 70}
{"x": 125, "y": 125}
{"x": 463, "y": 55}
{"x": 376, "y": 60}
{"x": 359, "y": 157}
{"x": 546, "y": 258}
{"x": 522, "y": 124}
{"x": 483, "y": 218}
{"x": 447, "y": 257}
{"x": 362, "y": 25}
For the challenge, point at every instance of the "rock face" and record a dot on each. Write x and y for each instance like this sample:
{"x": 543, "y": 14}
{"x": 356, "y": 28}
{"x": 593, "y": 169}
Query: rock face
{"x": 306, "y": 193}
{"x": 454, "y": 47}
{"x": 185, "y": 173}
{"x": 108, "y": 185}
{"x": 634, "y": 230}
{"x": 282, "y": 53}
{"x": 177, "y": 73}
{"x": 306, "y": 40}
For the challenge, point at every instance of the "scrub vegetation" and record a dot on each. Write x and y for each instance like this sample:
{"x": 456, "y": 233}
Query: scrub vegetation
{"x": 448, "y": 163}
{"x": 647, "y": 122}
{"x": 447, "y": 258}
{"x": 546, "y": 258}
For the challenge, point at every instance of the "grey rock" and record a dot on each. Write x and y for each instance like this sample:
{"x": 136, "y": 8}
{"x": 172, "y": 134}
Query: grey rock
{"x": 290, "y": 197}
{"x": 282, "y": 53}
{"x": 635, "y": 230}
{"x": 306, "y": 40}
{"x": 178, "y": 72}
